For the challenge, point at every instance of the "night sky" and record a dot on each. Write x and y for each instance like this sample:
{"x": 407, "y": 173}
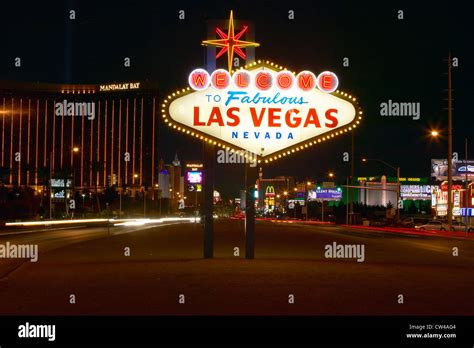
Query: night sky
{"x": 402, "y": 60}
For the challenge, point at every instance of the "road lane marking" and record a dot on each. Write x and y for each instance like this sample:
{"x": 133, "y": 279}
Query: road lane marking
{"x": 43, "y": 230}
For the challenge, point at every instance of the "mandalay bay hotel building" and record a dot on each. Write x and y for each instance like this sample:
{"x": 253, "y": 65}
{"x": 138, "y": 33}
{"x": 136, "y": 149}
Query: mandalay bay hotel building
{"x": 93, "y": 135}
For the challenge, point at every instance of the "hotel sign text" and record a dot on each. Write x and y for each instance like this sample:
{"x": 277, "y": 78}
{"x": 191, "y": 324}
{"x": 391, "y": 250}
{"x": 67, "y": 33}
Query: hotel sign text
{"x": 119, "y": 86}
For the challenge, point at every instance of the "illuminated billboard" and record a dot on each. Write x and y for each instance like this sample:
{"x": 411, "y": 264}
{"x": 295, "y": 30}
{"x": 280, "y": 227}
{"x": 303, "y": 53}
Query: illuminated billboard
{"x": 325, "y": 194}
{"x": 194, "y": 177}
{"x": 439, "y": 169}
{"x": 59, "y": 182}
{"x": 440, "y": 199}
{"x": 415, "y": 192}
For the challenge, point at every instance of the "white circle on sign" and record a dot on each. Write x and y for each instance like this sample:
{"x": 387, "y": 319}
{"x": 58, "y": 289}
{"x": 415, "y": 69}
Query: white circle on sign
{"x": 241, "y": 79}
{"x": 220, "y": 79}
{"x": 306, "y": 80}
{"x": 327, "y": 81}
{"x": 199, "y": 79}
{"x": 285, "y": 79}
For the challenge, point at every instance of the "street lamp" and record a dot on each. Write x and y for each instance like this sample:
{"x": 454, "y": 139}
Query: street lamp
{"x": 75, "y": 151}
{"x": 331, "y": 175}
{"x": 309, "y": 183}
{"x": 397, "y": 169}
{"x": 285, "y": 201}
{"x": 83, "y": 197}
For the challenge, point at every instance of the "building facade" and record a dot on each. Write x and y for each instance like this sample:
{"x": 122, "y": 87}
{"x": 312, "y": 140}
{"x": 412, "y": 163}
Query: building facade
{"x": 98, "y": 135}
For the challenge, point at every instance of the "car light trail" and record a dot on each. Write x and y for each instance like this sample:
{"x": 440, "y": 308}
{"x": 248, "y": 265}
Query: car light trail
{"x": 116, "y": 222}
{"x": 141, "y": 222}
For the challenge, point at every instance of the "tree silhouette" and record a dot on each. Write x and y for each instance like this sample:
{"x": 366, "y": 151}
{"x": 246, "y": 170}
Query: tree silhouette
{"x": 4, "y": 174}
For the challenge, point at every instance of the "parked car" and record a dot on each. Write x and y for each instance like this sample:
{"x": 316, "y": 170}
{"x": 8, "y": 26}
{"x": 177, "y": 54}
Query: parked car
{"x": 461, "y": 226}
{"x": 433, "y": 225}
{"x": 378, "y": 223}
{"x": 411, "y": 222}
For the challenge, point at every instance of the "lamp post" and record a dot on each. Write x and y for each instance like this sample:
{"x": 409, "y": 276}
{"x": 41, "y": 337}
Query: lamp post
{"x": 144, "y": 201}
{"x": 347, "y": 200}
{"x": 120, "y": 200}
{"x": 75, "y": 151}
{"x": 295, "y": 195}
{"x": 351, "y": 192}
{"x": 108, "y": 218}
{"x": 159, "y": 193}
{"x": 397, "y": 169}
{"x": 331, "y": 175}
{"x": 51, "y": 186}
{"x": 322, "y": 206}
{"x": 308, "y": 184}
{"x": 156, "y": 188}
{"x": 134, "y": 190}
{"x": 450, "y": 147}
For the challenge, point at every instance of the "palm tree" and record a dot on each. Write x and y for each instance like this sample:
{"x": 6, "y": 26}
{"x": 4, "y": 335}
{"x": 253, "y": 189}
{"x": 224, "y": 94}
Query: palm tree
{"x": 4, "y": 174}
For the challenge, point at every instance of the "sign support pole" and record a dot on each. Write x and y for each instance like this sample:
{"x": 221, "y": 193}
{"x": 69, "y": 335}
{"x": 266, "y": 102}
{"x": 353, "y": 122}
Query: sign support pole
{"x": 250, "y": 180}
{"x": 351, "y": 192}
{"x": 322, "y": 210}
{"x": 208, "y": 196}
{"x": 347, "y": 201}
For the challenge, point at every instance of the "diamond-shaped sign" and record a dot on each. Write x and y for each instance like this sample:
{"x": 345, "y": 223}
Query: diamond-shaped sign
{"x": 258, "y": 115}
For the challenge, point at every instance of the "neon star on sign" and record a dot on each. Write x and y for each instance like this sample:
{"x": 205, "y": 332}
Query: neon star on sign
{"x": 230, "y": 42}
{"x": 263, "y": 109}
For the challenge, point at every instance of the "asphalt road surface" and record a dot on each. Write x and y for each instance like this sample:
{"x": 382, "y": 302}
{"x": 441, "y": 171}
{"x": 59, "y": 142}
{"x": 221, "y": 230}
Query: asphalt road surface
{"x": 166, "y": 262}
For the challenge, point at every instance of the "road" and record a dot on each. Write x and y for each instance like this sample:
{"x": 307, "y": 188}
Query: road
{"x": 165, "y": 261}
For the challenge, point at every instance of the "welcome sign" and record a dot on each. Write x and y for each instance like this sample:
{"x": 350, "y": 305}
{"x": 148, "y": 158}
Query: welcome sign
{"x": 262, "y": 109}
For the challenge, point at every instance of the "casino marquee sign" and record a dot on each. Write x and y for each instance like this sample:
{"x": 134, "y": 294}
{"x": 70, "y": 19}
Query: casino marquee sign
{"x": 263, "y": 109}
